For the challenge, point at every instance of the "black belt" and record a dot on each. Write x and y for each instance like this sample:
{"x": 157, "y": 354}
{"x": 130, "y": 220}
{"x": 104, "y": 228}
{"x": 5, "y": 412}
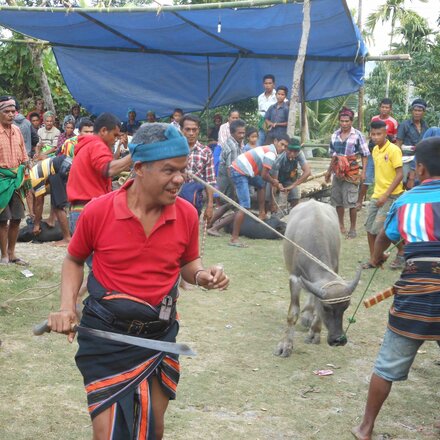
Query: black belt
{"x": 134, "y": 327}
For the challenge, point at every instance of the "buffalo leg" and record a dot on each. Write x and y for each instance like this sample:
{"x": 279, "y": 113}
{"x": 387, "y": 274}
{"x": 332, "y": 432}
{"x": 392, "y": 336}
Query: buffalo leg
{"x": 314, "y": 336}
{"x": 285, "y": 346}
{"x": 307, "y": 311}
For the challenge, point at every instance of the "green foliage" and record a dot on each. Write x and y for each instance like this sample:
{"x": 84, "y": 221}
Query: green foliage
{"x": 18, "y": 77}
{"x": 323, "y": 116}
{"x": 420, "y": 75}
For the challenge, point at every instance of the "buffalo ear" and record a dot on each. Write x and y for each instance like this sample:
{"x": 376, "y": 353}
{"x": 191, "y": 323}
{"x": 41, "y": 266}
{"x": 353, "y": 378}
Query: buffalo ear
{"x": 353, "y": 284}
{"x": 313, "y": 288}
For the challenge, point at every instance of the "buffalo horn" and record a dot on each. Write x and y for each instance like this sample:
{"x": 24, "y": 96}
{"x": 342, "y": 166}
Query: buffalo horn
{"x": 313, "y": 288}
{"x": 351, "y": 286}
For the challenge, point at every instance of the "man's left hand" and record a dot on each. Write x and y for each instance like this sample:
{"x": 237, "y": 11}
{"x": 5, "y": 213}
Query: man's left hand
{"x": 213, "y": 278}
{"x": 381, "y": 201}
{"x": 209, "y": 211}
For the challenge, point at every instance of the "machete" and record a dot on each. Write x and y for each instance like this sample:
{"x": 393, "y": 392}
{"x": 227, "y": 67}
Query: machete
{"x": 152, "y": 344}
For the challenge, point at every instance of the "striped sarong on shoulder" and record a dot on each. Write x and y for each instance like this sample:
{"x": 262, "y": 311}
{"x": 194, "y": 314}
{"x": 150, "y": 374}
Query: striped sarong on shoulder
{"x": 118, "y": 375}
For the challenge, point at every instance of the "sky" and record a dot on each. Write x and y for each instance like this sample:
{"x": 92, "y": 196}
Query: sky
{"x": 429, "y": 10}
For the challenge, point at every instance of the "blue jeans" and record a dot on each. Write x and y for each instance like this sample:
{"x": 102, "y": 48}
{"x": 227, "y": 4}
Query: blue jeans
{"x": 242, "y": 184}
{"x": 396, "y": 356}
{"x": 369, "y": 178}
{"x": 261, "y": 137}
{"x": 73, "y": 220}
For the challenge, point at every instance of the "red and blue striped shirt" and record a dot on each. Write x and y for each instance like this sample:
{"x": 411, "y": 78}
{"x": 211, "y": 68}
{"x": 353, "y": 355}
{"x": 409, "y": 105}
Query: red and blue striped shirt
{"x": 415, "y": 216}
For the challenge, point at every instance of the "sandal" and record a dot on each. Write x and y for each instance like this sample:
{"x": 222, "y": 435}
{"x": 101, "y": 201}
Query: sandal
{"x": 238, "y": 244}
{"x": 368, "y": 265}
{"x": 19, "y": 262}
{"x": 398, "y": 263}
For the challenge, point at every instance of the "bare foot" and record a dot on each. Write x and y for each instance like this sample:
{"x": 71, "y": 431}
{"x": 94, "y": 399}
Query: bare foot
{"x": 262, "y": 216}
{"x": 61, "y": 243}
{"x": 36, "y": 230}
{"x": 342, "y": 229}
{"x": 351, "y": 234}
{"x": 214, "y": 233}
{"x": 356, "y": 431}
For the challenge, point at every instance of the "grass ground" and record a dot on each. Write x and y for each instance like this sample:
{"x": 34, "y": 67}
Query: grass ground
{"x": 235, "y": 388}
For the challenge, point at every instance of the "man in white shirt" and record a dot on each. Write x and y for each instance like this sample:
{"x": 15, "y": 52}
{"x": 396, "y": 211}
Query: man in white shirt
{"x": 265, "y": 100}
{"x": 224, "y": 131}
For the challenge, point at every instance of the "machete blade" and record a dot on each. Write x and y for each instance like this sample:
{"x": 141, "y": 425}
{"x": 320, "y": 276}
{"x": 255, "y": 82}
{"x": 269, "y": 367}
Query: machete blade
{"x": 152, "y": 344}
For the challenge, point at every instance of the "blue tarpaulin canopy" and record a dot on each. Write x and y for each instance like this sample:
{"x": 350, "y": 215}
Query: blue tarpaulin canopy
{"x": 194, "y": 56}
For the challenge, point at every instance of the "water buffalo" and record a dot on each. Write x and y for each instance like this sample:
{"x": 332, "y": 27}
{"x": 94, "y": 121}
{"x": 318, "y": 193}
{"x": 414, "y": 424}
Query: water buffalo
{"x": 314, "y": 226}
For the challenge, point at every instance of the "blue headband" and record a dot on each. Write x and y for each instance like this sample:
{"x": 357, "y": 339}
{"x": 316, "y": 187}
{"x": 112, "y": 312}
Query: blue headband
{"x": 175, "y": 145}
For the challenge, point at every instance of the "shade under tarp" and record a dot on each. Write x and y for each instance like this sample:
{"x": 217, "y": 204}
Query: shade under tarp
{"x": 157, "y": 60}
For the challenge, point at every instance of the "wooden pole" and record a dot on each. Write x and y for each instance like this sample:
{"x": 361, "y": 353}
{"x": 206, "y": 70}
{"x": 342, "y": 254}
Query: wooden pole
{"x": 304, "y": 122}
{"x": 299, "y": 68}
{"x": 157, "y": 9}
{"x": 361, "y": 89}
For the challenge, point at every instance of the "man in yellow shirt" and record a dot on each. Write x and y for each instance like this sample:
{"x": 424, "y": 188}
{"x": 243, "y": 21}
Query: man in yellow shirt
{"x": 388, "y": 186}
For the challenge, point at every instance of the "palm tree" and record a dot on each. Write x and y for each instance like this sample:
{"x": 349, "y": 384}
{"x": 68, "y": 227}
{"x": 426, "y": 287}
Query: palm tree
{"x": 392, "y": 12}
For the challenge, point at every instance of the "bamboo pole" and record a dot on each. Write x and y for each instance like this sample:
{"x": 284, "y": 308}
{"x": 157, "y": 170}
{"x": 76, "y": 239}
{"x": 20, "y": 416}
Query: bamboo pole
{"x": 162, "y": 8}
{"x": 299, "y": 68}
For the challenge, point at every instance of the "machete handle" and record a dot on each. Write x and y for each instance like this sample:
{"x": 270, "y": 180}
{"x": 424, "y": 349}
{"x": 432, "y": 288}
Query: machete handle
{"x": 41, "y": 328}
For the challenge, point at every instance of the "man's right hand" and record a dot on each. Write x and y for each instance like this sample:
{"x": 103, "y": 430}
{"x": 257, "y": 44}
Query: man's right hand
{"x": 63, "y": 321}
{"x": 327, "y": 176}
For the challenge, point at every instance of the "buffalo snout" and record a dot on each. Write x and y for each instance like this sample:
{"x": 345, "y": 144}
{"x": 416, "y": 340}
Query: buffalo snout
{"x": 340, "y": 341}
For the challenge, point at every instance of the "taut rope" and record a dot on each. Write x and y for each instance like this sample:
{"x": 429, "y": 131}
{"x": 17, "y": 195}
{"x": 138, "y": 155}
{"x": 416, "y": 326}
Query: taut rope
{"x": 250, "y": 214}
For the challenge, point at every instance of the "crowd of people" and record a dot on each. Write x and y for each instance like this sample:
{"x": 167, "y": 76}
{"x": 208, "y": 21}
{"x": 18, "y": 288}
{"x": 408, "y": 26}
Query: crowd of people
{"x": 151, "y": 212}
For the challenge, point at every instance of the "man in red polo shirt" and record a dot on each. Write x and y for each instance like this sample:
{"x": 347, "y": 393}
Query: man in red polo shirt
{"x": 128, "y": 388}
{"x": 94, "y": 165}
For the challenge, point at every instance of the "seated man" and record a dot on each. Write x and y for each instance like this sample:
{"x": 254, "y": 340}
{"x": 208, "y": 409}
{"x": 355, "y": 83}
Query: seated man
{"x": 52, "y": 172}
{"x": 286, "y": 170}
{"x": 48, "y": 134}
{"x": 252, "y": 168}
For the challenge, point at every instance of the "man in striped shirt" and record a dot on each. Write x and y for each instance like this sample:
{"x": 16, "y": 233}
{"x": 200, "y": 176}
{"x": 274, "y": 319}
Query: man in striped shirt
{"x": 414, "y": 316}
{"x": 253, "y": 168}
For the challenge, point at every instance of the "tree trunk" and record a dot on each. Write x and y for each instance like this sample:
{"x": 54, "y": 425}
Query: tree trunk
{"x": 299, "y": 68}
{"x": 37, "y": 58}
{"x": 387, "y": 87}
{"x": 361, "y": 89}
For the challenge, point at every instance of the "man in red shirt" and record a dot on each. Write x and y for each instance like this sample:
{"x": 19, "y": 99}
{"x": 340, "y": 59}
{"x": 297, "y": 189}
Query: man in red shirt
{"x": 386, "y": 106}
{"x": 142, "y": 237}
{"x": 94, "y": 165}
